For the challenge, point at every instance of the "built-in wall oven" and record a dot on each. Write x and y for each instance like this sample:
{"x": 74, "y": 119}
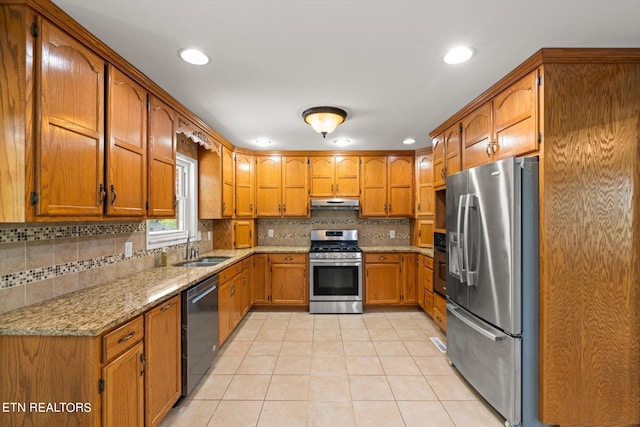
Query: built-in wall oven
{"x": 335, "y": 272}
{"x": 440, "y": 264}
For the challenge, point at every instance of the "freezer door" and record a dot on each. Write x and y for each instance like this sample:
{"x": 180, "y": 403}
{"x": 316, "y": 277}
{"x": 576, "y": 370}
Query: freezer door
{"x": 455, "y": 197}
{"x": 488, "y": 359}
{"x": 491, "y": 231}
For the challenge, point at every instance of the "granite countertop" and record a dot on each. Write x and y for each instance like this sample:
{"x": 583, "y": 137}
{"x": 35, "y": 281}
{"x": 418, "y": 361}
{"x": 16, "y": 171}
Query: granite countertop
{"x": 96, "y": 310}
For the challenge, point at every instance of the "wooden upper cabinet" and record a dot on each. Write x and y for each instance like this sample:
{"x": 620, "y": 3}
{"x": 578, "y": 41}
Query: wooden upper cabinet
{"x": 162, "y": 159}
{"x": 400, "y": 186}
{"x": 244, "y": 201}
{"x": 515, "y": 118}
{"x": 126, "y": 154}
{"x": 438, "y": 162}
{"x": 282, "y": 186}
{"x": 424, "y": 185}
{"x": 387, "y": 186}
{"x": 295, "y": 190}
{"x": 335, "y": 176}
{"x": 268, "y": 184}
{"x": 69, "y": 156}
{"x": 227, "y": 182}
{"x": 452, "y": 150}
{"x": 373, "y": 195}
{"x": 477, "y": 148}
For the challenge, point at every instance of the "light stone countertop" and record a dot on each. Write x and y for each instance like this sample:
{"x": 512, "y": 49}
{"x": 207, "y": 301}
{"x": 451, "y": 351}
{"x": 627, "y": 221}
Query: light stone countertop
{"x": 96, "y": 310}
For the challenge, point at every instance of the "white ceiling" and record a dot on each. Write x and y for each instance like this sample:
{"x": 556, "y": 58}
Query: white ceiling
{"x": 380, "y": 60}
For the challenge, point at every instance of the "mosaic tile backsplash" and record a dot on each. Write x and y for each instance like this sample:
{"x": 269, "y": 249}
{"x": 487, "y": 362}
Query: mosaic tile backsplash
{"x": 371, "y": 231}
{"x": 41, "y": 261}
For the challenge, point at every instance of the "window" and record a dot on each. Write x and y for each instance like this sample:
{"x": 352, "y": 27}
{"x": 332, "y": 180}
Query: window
{"x": 174, "y": 231}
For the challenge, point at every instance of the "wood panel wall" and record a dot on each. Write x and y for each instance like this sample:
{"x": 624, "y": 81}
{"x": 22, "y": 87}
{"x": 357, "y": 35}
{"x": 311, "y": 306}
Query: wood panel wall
{"x": 590, "y": 242}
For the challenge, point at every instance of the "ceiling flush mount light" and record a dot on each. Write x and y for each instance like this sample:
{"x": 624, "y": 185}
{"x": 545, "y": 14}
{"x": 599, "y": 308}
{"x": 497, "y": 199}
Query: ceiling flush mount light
{"x": 341, "y": 142}
{"x": 324, "y": 120}
{"x": 458, "y": 55}
{"x": 263, "y": 142}
{"x": 409, "y": 141}
{"x": 193, "y": 56}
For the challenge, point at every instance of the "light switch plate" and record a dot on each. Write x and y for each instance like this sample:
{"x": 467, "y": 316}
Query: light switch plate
{"x": 392, "y": 234}
{"x": 128, "y": 249}
{"x": 270, "y": 232}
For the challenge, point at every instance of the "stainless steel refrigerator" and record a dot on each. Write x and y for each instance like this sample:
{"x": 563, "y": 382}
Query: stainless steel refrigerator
{"x": 492, "y": 283}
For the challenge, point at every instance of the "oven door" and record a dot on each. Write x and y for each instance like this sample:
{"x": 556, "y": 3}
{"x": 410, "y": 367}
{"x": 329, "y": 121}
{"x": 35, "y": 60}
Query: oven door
{"x": 335, "y": 280}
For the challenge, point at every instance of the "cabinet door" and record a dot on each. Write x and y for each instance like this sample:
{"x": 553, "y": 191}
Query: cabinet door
{"x": 295, "y": 190}
{"x": 268, "y": 183}
{"x": 424, "y": 182}
{"x": 425, "y": 232}
{"x": 347, "y": 176}
{"x": 162, "y": 337}
{"x": 69, "y": 158}
{"x": 123, "y": 395}
{"x": 373, "y": 197}
{"x": 452, "y": 150}
{"x": 409, "y": 272}
{"x": 162, "y": 159}
{"x": 126, "y": 154}
{"x": 438, "y": 162}
{"x": 322, "y": 170}
{"x": 476, "y": 137}
{"x": 227, "y": 182}
{"x": 289, "y": 284}
{"x": 515, "y": 119}
{"x": 400, "y": 186}
{"x": 382, "y": 279}
{"x": 225, "y": 309}
{"x": 242, "y": 234}
{"x": 260, "y": 279}
{"x": 247, "y": 273}
{"x": 244, "y": 185}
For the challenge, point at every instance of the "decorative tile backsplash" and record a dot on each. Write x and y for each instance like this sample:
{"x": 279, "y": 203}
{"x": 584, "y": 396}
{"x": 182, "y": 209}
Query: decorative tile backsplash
{"x": 38, "y": 262}
{"x": 371, "y": 231}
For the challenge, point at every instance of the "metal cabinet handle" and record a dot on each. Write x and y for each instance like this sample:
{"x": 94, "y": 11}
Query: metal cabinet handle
{"x": 488, "y": 149}
{"x": 143, "y": 361}
{"x": 284, "y": 208}
{"x": 126, "y": 337}
{"x": 166, "y": 307}
{"x": 113, "y": 194}
{"x": 103, "y": 194}
{"x": 382, "y": 257}
{"x": 288, "y": 258}
{"x": 493, "y": 147}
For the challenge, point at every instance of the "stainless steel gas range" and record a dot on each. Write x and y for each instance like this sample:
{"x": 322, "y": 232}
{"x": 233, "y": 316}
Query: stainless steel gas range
{"x": 335, "y": 272}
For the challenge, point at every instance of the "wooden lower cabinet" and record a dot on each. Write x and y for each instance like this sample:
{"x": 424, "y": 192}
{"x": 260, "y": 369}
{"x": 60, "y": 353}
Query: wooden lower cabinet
{"x": 280, "y": 279}
{"x": 440, "y": 311}
{"x": 390, "y": 278}
{"x": 408, "y": 290}
{"x": 425, "y": 283}
{"x": 163, "y": 335}
{"x": 230, "y": 301}
{"x": 123, "y": 396}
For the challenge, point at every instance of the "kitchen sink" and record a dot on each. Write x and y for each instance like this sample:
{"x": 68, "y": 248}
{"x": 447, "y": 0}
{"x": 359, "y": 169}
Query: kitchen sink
{"x": 203, "y": 262}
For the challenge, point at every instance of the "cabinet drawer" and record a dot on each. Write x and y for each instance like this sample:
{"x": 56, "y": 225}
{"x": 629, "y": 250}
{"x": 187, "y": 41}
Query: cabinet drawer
{"x": 289, "y": 258}
{"x": 123, "y": 338}
{"x": 439, "y": 303}
{"x": 440, "y": 319}
{"x": 378, "y": 258}
{"x": 428, "y": 279}
{"x": 246, "y": 263}
{"x": 428, "y": 302}
{"x": 428, "y": 262}
{"x": 230, "y": 272}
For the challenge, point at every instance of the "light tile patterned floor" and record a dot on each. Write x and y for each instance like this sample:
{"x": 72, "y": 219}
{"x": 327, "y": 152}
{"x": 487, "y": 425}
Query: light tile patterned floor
{"x": 290, "y": 369}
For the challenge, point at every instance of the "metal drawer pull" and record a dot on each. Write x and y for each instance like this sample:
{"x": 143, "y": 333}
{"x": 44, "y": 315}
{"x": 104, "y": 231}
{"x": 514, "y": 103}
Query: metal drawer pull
{"x": 288, "y": 258}
{"x": 127, "y": 337}
{"x": 166, "y": 307}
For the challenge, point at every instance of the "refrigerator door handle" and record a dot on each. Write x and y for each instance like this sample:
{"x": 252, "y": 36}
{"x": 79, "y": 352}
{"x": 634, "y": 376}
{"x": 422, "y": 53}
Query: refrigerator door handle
{"x": 460, "y": 239}
{"x": 472, "y": 275}
{"x": 470, "y": 323}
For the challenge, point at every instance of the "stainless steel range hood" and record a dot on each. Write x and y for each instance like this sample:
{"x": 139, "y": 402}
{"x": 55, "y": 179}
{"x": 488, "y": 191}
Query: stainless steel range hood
{"x": 335, "y": 204}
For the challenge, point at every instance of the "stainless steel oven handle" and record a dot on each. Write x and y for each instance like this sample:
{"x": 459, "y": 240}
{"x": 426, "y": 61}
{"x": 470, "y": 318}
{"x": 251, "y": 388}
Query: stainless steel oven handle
{"x": 493, "y": 337}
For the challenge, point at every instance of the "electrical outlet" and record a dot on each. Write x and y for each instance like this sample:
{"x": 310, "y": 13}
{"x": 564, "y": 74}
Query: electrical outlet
{"x": 199, "y": 235}
{"x": 209, "y": 235}
{"x": 392, "y": 234}
{"x": 270, "y": 232}
{"x": 128, "y": 249}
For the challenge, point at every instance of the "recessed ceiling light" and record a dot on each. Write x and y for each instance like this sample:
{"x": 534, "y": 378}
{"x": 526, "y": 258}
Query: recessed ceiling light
{"x": 458, "y": 55}
{"x": 341, "y": 141}
{"x": 193, "y": 56}
{"x": 409, "y": 141}
{"x": 263, "y": 142}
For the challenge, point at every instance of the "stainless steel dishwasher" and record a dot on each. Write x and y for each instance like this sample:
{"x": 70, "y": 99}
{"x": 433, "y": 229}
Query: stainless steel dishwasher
{"x": 199, "y": 331}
